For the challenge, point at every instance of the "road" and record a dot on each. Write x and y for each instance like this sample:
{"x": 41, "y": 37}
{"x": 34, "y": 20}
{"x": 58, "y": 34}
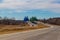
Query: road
{"x": 52, "y": 33}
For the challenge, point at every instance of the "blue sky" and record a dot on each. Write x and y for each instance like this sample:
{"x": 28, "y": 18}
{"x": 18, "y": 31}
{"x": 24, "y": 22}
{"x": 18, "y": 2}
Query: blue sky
{"x": 21, "y": 8}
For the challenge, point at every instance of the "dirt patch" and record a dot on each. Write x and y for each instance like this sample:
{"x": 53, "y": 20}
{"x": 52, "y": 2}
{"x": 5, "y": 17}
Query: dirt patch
{"x": 4, "y": 29}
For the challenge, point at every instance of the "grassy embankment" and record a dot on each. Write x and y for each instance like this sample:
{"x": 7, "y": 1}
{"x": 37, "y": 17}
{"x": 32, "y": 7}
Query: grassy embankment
{"x": 17, "y": 28}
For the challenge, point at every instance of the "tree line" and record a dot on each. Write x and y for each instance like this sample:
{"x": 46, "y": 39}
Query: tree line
{"x": 13, "y": 21}
{"x": 55, "y": 21}
{"x": 10, "y": 21}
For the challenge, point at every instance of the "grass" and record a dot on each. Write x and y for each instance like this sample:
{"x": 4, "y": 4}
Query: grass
{"x": 4, "y": 29}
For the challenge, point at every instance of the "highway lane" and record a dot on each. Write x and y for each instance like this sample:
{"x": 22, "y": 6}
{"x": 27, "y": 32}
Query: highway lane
{"x": 52, "y": 33}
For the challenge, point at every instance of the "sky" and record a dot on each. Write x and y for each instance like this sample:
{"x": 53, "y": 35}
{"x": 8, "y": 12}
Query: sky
{"x": 21, "y": 8}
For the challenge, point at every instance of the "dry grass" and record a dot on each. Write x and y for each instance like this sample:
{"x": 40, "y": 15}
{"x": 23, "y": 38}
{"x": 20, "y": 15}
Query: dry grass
{"x": 17, "y": 28}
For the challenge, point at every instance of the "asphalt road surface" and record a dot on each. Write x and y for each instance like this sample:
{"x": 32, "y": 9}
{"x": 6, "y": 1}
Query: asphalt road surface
{"x": 52, "y": 33}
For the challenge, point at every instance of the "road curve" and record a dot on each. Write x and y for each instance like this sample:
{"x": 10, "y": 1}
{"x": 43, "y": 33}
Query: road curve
{"x": 52, "y": 33}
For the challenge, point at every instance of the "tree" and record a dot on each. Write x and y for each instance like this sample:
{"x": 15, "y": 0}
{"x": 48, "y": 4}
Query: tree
{"x": 5, "y": 18}
{"x": 12, "y": 18}
{"x": 44, "y": 20}
{"x": 0, "y": 18}
{"x": 26, "y": 18}
{"x": 32, "y": 19}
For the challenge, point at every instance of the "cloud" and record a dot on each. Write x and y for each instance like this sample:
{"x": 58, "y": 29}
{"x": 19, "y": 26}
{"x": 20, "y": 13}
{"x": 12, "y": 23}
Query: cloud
{"x": 21, "y": 5}
{"x": 56, "y": 1}
{"x": 54, "y": 7}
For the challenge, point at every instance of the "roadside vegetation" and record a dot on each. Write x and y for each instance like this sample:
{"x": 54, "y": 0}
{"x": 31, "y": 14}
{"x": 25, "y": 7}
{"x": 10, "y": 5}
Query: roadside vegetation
{"x": 10, "y": 25}
{"x": 53, "y": 21}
